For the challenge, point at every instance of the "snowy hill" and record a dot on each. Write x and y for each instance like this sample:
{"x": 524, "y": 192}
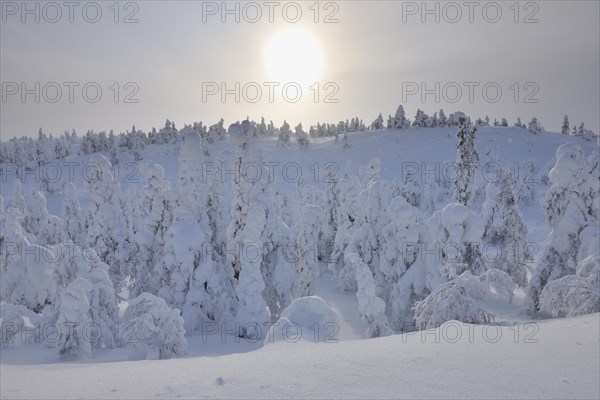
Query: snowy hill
{"x": 135, "y": 219}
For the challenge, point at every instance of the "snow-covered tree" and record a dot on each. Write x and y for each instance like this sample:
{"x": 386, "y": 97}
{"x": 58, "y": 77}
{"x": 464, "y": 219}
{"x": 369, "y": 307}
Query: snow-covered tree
{"x": 581, "y": 130}
{"x": 192, "y": 174}
{"x": 399, "y": 121}
{"x": 505, "y": 228}
{"x": 215, "y": 206}
{"x": 189, "y": 278}
{"x": 467, "y": 159}
{"x": 526, "y": 187}
{"x": 565, "y": 126}
{"x": 421, "y": 119}
{"x": 460, "y": 299}
{"x": 252, "y": 312}
{"x": 301, "y": 137}
{"x": 456, "y": 233}
{"x": 402, "y": 262}
{"x": 371, "y": 307}
{"x": 347, "y": 221}
{"x": 46, "y": 228}
{"x": 26, "y": 268}
{"x": 72, "y": 214}
{"x": 70, "y": 264}
{"x": 571, "y": 205}
{"x": 103, "y": 305}
{"x": 73, "y": 319}
{"x": 159, "y": 329}
{"x": 519, "y": 124}
{"x": 284, "y": 134}
{"x": 442, "y": 119}
{"x": 330, "y": 206}
{"x": 156, "y": 216}
{"x": 370, "y": 173}
{"x": 366, "y": 240}
{"x": 346, "y": 141}
{"x": 12, "y": 319}
{"x": 18, "y": 200}
{"x": 136, "y": 141}
{"x": 107, "y": 230}
{"x": 534, "y": 126}
{"x": 378, "y": 123}
{"x": 261, "y": 128}
{"x": 584, "y": 133}
{"x": 574, "y": 294}
{"x": 193, "y": 275}
{"x": 412, "y": 189}
{"x": 255, "y": 226}
{"x": 452, "y": 301}
{"x": 309, "y": 239}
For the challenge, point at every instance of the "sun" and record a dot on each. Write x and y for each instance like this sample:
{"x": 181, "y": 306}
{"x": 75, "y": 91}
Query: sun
{"x": 293, "y": 55}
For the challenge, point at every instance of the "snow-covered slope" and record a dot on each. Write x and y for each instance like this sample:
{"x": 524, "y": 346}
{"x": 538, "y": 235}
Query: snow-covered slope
{"x": 548, "y": 359}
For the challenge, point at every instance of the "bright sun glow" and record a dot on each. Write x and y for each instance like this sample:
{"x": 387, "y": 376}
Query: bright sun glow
{"x": 293, "y": 55}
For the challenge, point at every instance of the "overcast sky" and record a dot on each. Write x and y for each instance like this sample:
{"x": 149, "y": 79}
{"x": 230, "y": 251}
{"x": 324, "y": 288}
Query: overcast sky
{"x": 370, "y": 56}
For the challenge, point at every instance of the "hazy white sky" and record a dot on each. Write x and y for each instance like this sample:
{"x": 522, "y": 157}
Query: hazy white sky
{"x": 377, "y": 55}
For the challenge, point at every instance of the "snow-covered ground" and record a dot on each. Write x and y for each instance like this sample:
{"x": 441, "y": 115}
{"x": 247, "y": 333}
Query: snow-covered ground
{"x": 545, "y": 359}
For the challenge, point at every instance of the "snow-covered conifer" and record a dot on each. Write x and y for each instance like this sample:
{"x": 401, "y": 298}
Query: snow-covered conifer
{"x": 442, "y": 119}
{"x": 455, "y": 300}
{"x": 467, "y": 159}
{"x": 285, "y": 134}
{"x": 18, "y": 200}
{"x": 570, "y": 205}
{"x": 371, "y": 307}
{"x": 73, "y": 318}
{"x": 46, "y": 228}
{"x": 156, "y": 217}
{"x": 534, "y": 126}
{"x": 72, "y": 214}
{"x": 366, "y": 240}
{"x": 399, "y": 121}
{"x": 402, "y": 263}
{"x": 159, "y": 328}
{"x": 252, "y": 312}
{"x": 504, "y": 227}
{"x": 456, "y": 233}
{"x": 370, "y": 172}
{"x": 107, "y": 230}
{"x": 421, "y": 119}
{"x": 378, "y": 123}
{"x": 565, "y": 126}
{"x": 574, "y": 294}
{"x": 301, "y": 137}
{"x": 309, "y": 239}
{"x": 347, "y": 221}
{"x": 27, "y": 276}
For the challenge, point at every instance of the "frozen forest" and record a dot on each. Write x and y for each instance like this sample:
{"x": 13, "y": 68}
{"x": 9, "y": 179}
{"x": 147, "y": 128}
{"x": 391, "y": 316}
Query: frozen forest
{"x": 141, "y": 243}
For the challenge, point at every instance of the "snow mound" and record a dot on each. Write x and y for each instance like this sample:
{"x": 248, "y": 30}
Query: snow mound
{"x": 308, "y": 319}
